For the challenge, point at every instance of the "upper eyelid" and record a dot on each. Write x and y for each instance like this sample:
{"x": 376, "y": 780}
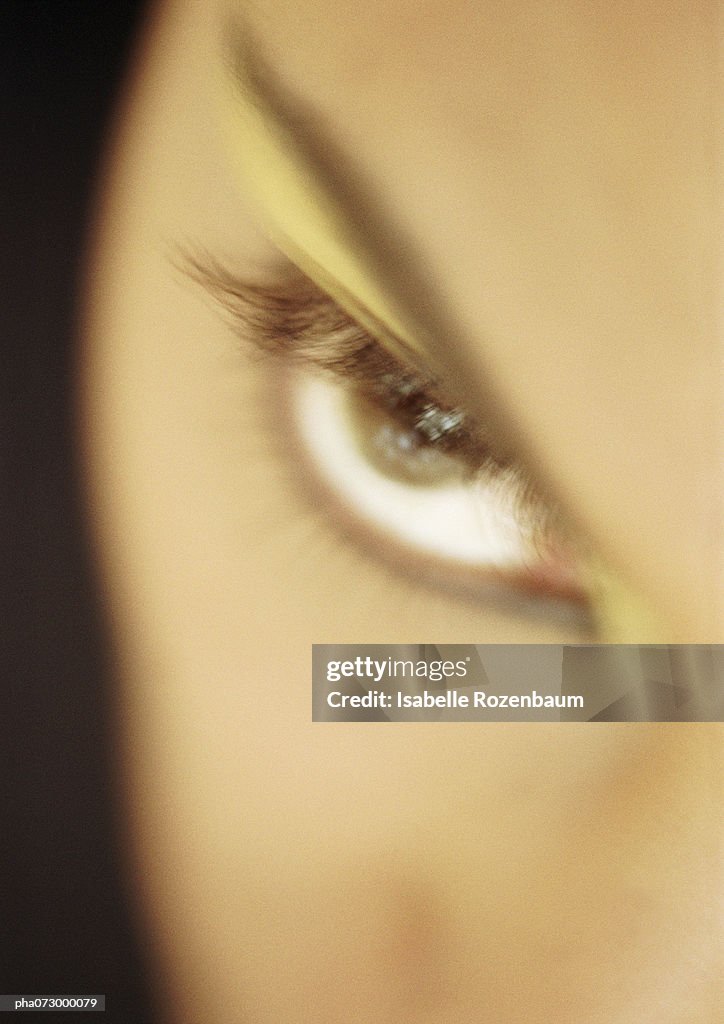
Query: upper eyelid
{"x": 290, "y": 315}
{"x": 394, "y": 264}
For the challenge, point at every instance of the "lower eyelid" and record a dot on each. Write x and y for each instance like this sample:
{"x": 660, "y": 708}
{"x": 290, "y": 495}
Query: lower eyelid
{"x": 460, "y": 538}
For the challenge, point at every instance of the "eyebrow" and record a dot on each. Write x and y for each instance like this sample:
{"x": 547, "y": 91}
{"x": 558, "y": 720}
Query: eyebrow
{"x": 369, "y": 228}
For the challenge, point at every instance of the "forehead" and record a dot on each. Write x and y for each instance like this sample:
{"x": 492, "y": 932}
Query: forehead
{"x": 478, "y": 68}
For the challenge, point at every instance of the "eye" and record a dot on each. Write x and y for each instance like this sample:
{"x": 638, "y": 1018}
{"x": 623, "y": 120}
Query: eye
{"x": 389, "y": 459}
{"x": 413, "y": 497}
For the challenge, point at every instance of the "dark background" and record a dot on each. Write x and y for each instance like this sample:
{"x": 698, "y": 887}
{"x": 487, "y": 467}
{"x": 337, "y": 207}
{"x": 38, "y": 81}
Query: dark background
{"x": 65, "y": 923}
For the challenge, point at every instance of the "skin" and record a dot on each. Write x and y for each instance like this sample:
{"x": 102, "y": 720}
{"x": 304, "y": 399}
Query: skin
{"x": 558, "y": 174}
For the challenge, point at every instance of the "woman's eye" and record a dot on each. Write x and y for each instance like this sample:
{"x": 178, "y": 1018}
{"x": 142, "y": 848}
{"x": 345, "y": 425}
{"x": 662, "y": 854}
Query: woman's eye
{"x": 404, "y": 472}
{"x": 408, "y": 492}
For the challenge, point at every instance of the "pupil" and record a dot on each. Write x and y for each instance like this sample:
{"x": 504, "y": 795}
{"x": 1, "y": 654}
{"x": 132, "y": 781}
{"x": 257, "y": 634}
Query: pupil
{"x": 403, "y": 448}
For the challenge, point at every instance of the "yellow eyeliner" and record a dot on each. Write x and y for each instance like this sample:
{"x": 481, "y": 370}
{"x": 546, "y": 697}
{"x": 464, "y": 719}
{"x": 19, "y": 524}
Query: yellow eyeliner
{"x": 299, "y": 214}
{"x": 621, "y": 616}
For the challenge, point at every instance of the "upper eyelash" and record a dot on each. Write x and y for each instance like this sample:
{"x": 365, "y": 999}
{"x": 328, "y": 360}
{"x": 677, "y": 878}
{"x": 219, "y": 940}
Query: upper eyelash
{"x": 290, "y": 315}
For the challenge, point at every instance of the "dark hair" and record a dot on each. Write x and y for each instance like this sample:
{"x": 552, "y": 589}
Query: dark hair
{"x": 65, "y": 923}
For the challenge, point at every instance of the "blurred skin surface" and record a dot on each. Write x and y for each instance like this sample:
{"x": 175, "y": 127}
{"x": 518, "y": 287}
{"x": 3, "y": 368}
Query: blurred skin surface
{"x": 557, "y": 166}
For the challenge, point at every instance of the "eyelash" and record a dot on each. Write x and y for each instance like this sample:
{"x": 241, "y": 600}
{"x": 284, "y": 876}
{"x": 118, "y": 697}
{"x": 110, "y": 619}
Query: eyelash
{"x": 288, "y": 317}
